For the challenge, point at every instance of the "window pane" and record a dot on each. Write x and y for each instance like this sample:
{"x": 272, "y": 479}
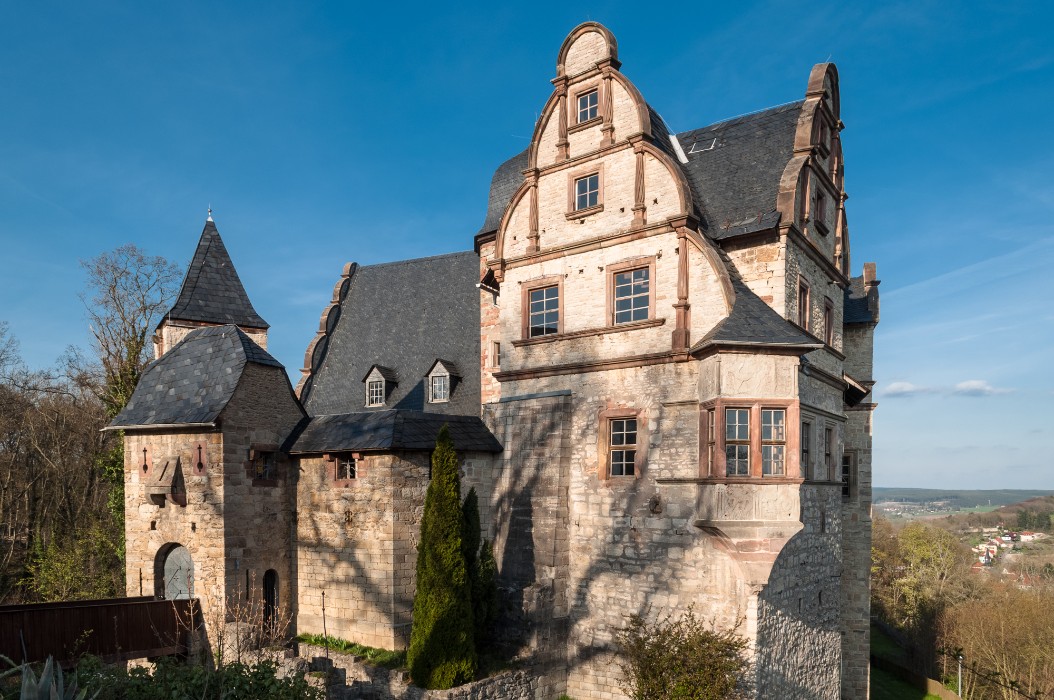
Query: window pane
{"x": 544, "y": 311}
{"x": 632, "y": 299}
{"x": 772, "y": 460}
{"x": 773, "y": 425}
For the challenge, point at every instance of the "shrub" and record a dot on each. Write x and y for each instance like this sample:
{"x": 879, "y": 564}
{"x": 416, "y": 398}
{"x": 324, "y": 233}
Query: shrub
{"x": 442, "y": 653}
{"x": 682, "y": 659}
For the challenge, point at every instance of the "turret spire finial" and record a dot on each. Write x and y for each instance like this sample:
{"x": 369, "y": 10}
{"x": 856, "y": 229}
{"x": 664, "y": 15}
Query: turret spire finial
{"x": 210, "y": 213}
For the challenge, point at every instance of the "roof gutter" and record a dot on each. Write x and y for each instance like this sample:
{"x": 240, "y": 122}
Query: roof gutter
{"x": 159, "y": 426}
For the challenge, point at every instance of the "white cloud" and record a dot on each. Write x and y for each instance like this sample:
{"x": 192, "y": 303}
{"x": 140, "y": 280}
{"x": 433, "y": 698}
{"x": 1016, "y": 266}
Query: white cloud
{"x": 905, "y": 389}
{"x": 978, "y": 387}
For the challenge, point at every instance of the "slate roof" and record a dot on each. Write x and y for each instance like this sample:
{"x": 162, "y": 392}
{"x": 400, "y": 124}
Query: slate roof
{"x": 734, "y": 168}
{"x": 753, "y": 322}
{"x": 212, "y": 291}
{"x": 507, "y": 179}
{"x": 386, "y": 430}
{"x": 404, "y": 316}
{"x": 194, "y": 381}
{"x": 856, "y": 309}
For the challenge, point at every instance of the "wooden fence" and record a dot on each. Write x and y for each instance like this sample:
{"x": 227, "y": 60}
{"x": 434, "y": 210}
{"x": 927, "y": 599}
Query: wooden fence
{"x": 114, "y": 629}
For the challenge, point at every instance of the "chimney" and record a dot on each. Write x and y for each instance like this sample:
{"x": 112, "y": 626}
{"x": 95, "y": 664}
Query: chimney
{"x": 871, "y": 289}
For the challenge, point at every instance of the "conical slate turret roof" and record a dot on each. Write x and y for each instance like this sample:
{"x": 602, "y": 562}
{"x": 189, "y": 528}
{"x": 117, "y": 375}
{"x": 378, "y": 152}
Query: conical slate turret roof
{"x": 211, "y": 291}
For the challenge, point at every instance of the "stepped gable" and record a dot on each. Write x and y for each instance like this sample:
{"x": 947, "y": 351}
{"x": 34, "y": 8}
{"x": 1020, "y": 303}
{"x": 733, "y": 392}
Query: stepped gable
{"x": 402, "y": 316}
{"x": 192, "y": 383}
{"x": 753, "y": 322}
{"x": 212, "y": 291}
{"x": 389, "y": 430}
{"x": 735, "y": 167}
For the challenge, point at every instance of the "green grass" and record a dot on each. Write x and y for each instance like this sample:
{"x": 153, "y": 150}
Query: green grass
{"x": 378, "y": 657}
{"x": 884, "y": 646}
{"x": 886, "y": 687}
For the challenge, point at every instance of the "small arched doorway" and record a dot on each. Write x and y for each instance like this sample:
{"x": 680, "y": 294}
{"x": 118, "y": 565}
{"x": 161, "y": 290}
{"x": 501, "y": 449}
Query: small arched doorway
{"x": 173, "y": 573}
{"x": 270, "y": 596}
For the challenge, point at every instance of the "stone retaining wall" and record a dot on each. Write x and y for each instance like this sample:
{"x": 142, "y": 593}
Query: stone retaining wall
{"x": 356, "y": 680}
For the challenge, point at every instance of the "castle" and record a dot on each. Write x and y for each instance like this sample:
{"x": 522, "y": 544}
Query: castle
{"x": 656, "y": 367}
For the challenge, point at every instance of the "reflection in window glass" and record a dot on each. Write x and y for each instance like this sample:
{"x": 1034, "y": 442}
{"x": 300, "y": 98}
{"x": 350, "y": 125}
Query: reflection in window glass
{"x": 544, "y": 311}
{"x": 632, "y": 295}
{"x": 623, "y": 446}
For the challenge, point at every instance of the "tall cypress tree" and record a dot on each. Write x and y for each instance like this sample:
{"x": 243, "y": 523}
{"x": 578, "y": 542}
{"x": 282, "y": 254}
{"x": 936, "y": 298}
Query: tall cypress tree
{"x": 442, "y": 653}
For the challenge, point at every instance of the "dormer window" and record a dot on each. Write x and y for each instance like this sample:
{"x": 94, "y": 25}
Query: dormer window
{"x": 375, "y": 393}
{"x": 380, "y": 381}
{"x": 440, "y": 381}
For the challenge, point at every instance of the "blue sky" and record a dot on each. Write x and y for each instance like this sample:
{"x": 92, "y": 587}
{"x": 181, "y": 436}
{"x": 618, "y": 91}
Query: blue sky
{"x": 322, "y": 133}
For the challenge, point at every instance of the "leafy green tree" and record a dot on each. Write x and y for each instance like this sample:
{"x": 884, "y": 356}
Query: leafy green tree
{"x": 682, "y": 659}
{"x": 442, "y": 653}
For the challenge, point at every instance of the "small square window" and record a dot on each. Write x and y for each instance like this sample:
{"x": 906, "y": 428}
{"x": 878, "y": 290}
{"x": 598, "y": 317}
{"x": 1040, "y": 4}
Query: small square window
{"x": 587, "y": 106}
{"x": 587, "y": 192}
{"x": 544, "y": 311}
{"x": 264, "y": 466}
{"x": 622, "y": 446}
{"x": 440, "y": 388}
{"x": 347, "y": 468}
{"x": 632, "y": 295}
{"x": 375, "y": 392}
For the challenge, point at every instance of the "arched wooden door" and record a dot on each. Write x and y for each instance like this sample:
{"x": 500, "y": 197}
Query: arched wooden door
{"x": 270, "y": 595}
{"x": 174, "y": 570}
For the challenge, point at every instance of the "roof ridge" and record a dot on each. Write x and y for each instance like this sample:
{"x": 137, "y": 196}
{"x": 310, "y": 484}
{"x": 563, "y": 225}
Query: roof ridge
{"x": 392, "y": 263}
{"x": 742, "y": 117}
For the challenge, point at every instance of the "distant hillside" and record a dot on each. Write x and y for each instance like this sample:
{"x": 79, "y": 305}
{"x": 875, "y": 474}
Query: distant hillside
{"x": 958, "y": 498}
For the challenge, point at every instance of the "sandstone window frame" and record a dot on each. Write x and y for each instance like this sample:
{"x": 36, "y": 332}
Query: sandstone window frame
{"x": 541, "y": 283}
{"x": 621, "y": 267}
{"x": 605, "y": 418}
{"x": 338, "y": 473}
{"x": 774, "y": 442}
{"x": 591, "y": 110}
{"x": 804, "y": 305}
{"x": 495, "y": 354}
{"x": 576, "y": 176}
{"x": 713, "y": 455}
{"x": 741, "y": 418}
{"x": 805, "y": 442}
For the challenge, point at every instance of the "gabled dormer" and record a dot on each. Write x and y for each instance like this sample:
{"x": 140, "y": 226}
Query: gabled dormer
{"x": 379, "y": 382}
{"x": 441, "y": 381}
{"x": 211, "y": 295}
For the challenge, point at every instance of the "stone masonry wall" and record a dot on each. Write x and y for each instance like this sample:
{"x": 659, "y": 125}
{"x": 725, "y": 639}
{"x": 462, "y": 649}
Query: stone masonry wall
{"x": 527, "y": 503}
{"x": 152, "y": 525}
{"x": 856, "y": 545}
{"x": 259, "y": 532}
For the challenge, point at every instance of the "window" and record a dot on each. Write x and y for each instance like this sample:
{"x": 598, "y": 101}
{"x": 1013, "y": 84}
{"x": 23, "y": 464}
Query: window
{"x": 264, "y": 466}
{"x": 347, "y": 468}
{"x": 375, "y": 392}
{"x": 544, "y": 311}
{"x": 622, "y": 446}
{"x": 587, "y": 106}
{"x": 773, "y": 441}
{"x": 821, "y": 210}
{"x": 587, "y": 192}
{"x": 632, "y": 295}
{"x": 711, "y": 436}
{"x": 495, "y": 356}
{"x": 828, "y": 453}
{"x": 847, "y": 472}
{"x": 737, "y": 441}
{"x": 803, "y": 305}
{"x": 439, "y": 388}
{"x": 828, "y": 322}
{"x": 806, "y": 435}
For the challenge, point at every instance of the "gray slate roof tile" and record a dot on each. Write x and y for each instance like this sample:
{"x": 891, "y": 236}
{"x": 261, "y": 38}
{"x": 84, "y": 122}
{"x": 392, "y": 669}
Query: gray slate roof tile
{"x": 753, "y": 322}
{"x": 403, "y": 316}
{"x": 856, "y": 309}
{"x": 212, "y": 291}
{"x": 389, "y": 430}
{"x": 194, "y": 381}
